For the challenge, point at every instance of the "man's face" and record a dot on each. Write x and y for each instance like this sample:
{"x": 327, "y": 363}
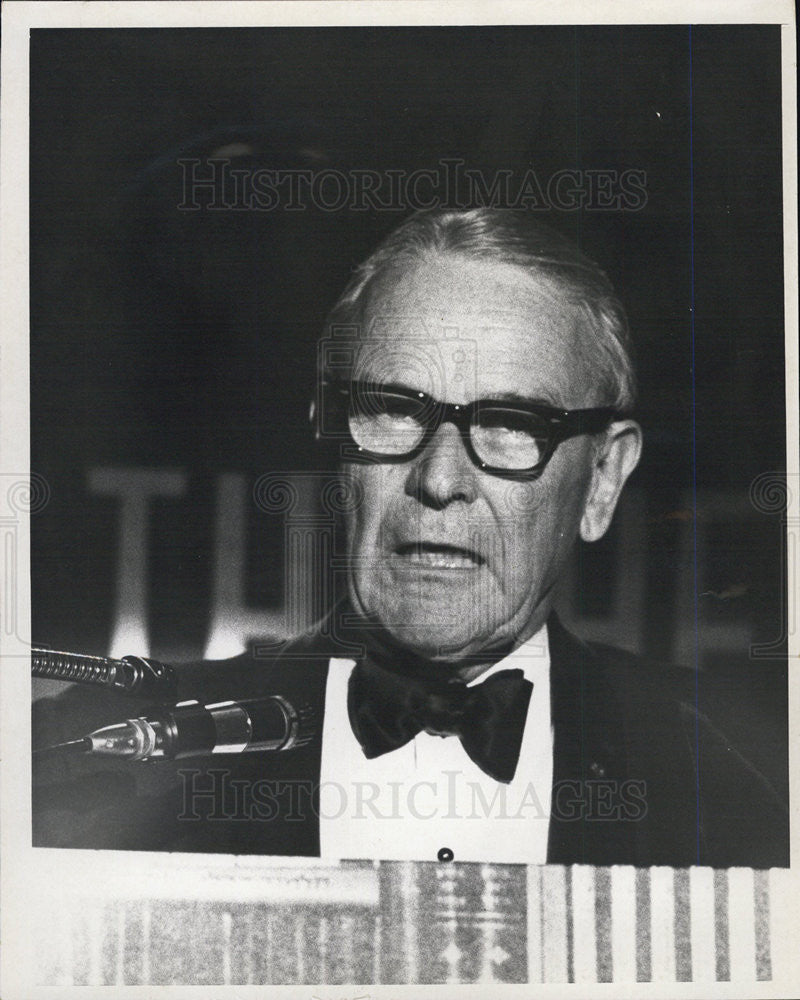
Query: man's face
{"x": 450, "y": 560}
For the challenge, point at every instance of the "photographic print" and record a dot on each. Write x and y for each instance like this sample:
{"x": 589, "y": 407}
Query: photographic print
{"x": 402, "y": 558}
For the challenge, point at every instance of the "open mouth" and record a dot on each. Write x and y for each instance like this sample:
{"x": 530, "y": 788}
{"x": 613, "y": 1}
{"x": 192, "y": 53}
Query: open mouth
{"x": 439, "y": 555}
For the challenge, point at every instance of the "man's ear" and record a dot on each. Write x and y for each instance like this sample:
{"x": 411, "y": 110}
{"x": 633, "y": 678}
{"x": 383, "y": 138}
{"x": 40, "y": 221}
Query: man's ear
{"x": 615, "y": 459}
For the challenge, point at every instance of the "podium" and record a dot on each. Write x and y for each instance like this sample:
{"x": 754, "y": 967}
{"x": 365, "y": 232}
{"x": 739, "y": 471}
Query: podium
{"x": 206, "y": 920}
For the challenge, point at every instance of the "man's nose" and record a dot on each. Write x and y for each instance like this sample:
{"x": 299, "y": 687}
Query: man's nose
{"x": 444, "y": 472}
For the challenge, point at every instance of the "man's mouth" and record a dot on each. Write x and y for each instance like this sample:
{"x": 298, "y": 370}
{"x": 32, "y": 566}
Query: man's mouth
{"x": 437, "y": 555}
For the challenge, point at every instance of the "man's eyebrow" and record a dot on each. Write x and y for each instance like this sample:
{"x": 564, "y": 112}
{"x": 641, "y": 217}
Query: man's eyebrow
{"x": 392, "y": 383}
{"x": 501, "y": 396}
{"x": 516, "y": 397}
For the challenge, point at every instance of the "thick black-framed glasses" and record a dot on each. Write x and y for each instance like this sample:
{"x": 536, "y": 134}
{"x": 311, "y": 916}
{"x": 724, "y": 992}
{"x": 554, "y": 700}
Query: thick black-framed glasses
{"x": 392, "y": 423}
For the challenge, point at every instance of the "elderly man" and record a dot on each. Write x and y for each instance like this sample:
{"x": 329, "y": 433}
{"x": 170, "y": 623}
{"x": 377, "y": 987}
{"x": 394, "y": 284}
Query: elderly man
{"x": 476, "y": 386}
{"x": 487, "y": 404}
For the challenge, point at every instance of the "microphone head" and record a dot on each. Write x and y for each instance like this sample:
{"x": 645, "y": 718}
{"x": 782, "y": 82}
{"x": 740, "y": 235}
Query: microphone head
{"x": 302, "y": 723}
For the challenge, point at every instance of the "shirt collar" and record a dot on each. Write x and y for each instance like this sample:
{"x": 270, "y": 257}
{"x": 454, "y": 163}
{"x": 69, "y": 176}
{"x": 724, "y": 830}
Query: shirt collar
{"x": 532, "y": 657}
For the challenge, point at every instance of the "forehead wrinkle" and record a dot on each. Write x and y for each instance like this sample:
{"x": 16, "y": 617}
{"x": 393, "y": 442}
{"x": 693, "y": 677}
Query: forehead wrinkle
{"x": 454, "y": 302}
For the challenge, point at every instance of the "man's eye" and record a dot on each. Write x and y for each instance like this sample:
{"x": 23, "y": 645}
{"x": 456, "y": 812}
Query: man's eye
{"x": 512, "y": 422}
{"x": 391, "y": 405}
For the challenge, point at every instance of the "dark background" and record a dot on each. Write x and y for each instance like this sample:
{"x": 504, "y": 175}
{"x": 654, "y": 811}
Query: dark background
{"x": 167, "y": 339}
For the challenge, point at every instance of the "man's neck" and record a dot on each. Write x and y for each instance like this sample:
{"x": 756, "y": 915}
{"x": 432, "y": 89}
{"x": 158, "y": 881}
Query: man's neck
{"x": 386, "y": 651}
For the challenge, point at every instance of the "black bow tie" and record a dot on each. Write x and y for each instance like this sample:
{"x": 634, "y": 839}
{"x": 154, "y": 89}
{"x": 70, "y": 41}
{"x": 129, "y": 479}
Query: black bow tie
{"x": 388, "y": 709}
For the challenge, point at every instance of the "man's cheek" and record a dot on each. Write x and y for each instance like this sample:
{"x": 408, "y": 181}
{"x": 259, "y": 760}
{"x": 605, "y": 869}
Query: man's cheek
{"x": 362, "y": 513}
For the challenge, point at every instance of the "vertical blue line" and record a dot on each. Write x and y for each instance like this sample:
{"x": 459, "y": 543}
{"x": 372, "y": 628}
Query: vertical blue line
{"x": 577, "y": 71}
{"x": 694, "y": 456}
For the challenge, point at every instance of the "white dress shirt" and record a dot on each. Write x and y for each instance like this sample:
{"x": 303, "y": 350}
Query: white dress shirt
{"x": 428, "y": 796}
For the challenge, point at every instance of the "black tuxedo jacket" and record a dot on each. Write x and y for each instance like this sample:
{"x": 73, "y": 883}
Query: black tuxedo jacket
{"x": 651, "y": 767}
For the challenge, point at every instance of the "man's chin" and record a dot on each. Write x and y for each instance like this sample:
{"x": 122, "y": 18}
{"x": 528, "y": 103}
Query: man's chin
{"x": 432, "y": 631}
{"x": 445, "y": 643}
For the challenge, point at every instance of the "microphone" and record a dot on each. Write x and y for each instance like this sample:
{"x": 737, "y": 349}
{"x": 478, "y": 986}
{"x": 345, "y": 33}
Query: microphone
{"x": 133, "y": 675}
{"x": 190, "y": 729}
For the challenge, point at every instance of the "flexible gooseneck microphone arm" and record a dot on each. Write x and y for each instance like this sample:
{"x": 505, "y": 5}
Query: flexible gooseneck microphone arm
{"x": 132, "y": 675}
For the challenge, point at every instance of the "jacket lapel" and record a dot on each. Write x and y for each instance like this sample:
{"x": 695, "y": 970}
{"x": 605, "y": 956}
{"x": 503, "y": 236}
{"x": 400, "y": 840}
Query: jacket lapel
{"x": 589, "y": 821}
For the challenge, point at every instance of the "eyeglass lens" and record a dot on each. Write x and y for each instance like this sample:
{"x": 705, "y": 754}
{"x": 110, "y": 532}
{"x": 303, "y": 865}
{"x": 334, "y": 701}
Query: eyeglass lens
{"x": 393, "y": 424}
